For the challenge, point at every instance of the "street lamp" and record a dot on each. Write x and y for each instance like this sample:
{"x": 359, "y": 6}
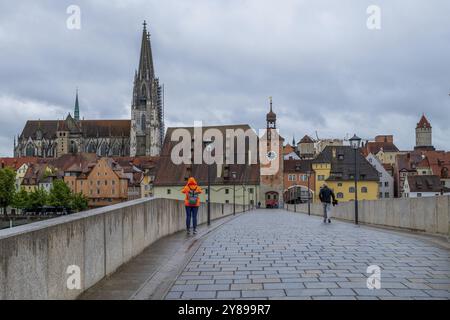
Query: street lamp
{"x": 243, "y": 195}
{"x": 233, "y": 175}
{"x": 309, "y": 193}
{"x": 355, "y": 142}
{"x": 207, "y": 144}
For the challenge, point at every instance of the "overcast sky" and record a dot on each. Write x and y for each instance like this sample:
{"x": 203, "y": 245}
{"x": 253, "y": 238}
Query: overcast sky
{"x": 220, "y": 60}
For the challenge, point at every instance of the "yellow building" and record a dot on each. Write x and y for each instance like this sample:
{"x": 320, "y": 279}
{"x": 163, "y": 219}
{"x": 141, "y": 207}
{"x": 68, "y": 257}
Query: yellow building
{"x": 334, "y": 166}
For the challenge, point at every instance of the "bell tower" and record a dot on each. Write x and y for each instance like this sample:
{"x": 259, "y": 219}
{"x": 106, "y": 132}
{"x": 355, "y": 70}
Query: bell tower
{"x": 271, "y": 165}
{"x": 147, "y": 114}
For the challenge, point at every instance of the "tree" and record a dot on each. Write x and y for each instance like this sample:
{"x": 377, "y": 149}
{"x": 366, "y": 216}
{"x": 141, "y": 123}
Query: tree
{"x": 79, "y": 202}
{"x": 7, "y": 188}
{"x": 21, "y": 199}
{"x": 60, "y": 194}
{"x": 38, "y": 198}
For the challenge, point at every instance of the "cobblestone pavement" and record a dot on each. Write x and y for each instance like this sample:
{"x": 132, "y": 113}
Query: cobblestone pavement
{"x": 271, "y": 254}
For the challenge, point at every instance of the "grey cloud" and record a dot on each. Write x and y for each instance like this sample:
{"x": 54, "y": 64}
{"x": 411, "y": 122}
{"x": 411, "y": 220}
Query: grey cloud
{"x": 220, "y": 60}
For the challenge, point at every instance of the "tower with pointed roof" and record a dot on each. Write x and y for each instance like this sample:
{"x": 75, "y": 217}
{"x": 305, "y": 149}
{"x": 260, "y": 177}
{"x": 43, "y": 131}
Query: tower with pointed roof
{"x": 147, "y": 118}
{"x": 424, "y": 134}
{"x": 271, "y": 168}
{"x": 77, "y": 108}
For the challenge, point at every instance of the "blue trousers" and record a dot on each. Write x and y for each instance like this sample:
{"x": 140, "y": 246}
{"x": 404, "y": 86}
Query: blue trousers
{"x": 191, "y": 212}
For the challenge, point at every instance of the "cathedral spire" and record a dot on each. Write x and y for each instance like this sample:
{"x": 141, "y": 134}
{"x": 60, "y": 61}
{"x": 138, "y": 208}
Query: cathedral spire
{"x": 77, "y": 108}
{"x": 146, "y": 59}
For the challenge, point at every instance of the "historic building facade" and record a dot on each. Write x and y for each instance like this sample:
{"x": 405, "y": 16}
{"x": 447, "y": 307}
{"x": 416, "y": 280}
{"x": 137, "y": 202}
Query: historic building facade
{"x": 147, "y": 111}
{"x": 271, "y": 187}
{"x": 142, "y": 135}
{"x": 424, "y": 135}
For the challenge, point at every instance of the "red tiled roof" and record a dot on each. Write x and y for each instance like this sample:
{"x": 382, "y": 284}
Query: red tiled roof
{"x": 423, "y": 123}
{"x": 16, "y": 163}
{"x": 306, "y": 139}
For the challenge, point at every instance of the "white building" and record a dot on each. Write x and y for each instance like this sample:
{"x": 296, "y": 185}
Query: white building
{"x": 386, "y": 184}
{"x": 423, "y": 186}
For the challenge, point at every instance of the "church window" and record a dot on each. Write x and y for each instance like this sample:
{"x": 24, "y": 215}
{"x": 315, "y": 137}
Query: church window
{"x": 104, "y": 150}
{"x": 73, "y": 147}
{"x": 30, "y": 152}
{"x": 143, "y": 124}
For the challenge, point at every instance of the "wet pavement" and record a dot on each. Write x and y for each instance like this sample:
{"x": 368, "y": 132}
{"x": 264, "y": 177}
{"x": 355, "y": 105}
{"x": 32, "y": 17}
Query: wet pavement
{"x": 275, "y": 254}
{"x": 280, "y": 255}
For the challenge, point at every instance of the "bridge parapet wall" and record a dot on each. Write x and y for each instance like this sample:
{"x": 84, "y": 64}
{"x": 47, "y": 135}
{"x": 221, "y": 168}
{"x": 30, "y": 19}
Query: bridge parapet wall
{"x": 430, "y": 215}
{"x": 34, "y": 258}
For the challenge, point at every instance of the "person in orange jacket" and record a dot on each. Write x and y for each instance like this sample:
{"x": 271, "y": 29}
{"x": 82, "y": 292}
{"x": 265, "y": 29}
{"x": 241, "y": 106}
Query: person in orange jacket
{"x": 192, "y": 202}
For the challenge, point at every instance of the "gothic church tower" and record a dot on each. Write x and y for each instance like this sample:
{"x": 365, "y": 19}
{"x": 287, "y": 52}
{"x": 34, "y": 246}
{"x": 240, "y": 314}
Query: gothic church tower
{"x": 147, "y": 111}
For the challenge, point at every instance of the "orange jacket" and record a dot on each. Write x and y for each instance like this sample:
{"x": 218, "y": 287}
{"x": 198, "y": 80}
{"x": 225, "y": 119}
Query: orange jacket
{"x": 191, "y": 186}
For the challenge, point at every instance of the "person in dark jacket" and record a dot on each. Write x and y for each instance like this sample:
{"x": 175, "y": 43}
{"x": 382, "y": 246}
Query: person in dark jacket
{"x": 327, "y": 198}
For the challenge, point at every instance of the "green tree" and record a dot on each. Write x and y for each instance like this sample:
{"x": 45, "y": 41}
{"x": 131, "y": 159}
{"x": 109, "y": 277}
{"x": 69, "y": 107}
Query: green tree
{"x": 38, "y": 198}
{"x": 79, "y": 202}
{"x": 21, "y": 199}
{"x": 60, "y": 194}
{"x": 7, "y": 188}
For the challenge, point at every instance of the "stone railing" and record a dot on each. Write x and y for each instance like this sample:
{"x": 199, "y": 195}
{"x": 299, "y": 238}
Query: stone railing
{"x": 37, "y": 261}
{"x": 429, "y": 215}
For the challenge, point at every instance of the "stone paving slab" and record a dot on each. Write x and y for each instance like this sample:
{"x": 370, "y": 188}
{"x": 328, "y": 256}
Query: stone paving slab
{"x": 274, "y": 254}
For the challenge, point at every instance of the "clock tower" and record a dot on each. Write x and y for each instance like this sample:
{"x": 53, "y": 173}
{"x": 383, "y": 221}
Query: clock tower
{"x": 271, "y": 163}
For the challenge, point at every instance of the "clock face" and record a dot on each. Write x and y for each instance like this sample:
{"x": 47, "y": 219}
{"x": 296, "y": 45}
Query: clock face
{"x": 271, "y": 155}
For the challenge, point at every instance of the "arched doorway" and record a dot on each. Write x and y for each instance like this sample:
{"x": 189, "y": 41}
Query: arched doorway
{"x": 272, "y": 199}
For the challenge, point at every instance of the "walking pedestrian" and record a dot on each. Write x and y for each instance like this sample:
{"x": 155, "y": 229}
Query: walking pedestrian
{"x": 192, "y": 202}
{"x": 327, "y": 198}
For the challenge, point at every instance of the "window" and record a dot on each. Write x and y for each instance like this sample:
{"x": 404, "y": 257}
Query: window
{"x": 364, "y": 189}
{"x": 227, "y": 201}
{"x": 106, "y": 182}
{"x": 339, "y": 184}
{"x": 206, "y": 191}
{"x": 98, "y": 191}
{"x": 419, "y": 195}
{"x": 168, "y": 191}
{"x": 381, "y": 195}
{"x": 351, "y": 189}
{"x": 250, "y": 190}
{"x": 340, "y": 195}
{"x": 386, "y": 194}
{"x": 268, "y": 197}
{"x": 143, "y": 124}
{"x": 98, "y": 182}
{"x": 320, "y": 177}
{"x": 227, "y": 191}
{"x": 113, "y": 182}
{"x": 386, "y": 184}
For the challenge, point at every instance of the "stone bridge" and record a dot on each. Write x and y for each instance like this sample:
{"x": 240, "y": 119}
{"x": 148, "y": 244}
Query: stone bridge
{"x": 138, "y": 250}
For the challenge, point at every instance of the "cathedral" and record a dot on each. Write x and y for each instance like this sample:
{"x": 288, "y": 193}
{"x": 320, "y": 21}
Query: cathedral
{"x": 142, "y": 135}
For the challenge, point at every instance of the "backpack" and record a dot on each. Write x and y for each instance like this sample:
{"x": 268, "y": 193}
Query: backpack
{"x": 192, "y": 197}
